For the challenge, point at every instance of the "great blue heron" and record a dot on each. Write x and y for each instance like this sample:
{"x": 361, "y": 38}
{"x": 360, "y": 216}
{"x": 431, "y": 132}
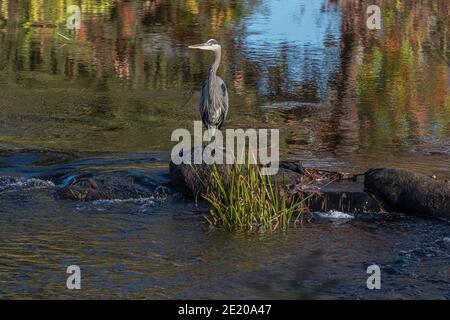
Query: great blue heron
{"x": 214, "y": 94}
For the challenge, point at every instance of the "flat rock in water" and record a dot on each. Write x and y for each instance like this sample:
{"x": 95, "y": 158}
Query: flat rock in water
{"x": 342, "y": 195}
{"x": 409, "y": 192}
{"x": 326, "y": 190}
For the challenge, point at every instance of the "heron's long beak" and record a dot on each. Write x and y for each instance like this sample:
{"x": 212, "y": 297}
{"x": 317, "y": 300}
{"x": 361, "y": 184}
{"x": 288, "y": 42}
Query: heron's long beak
{"x": 197, "y": 46}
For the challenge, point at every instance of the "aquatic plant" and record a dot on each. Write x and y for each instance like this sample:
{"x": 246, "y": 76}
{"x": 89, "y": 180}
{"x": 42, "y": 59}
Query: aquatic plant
{"x": 245, "y": 199}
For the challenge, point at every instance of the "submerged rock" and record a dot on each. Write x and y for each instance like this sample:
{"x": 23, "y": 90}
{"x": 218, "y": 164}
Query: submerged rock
{"x": 409, "y": 192}
{"x": 109, "y": 186}
{"x": 85, "y": 189}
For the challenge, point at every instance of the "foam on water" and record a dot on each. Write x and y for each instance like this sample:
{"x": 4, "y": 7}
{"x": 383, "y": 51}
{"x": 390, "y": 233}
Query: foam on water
{"x": 334, "y": 215}
{"x": 139, "y": 204}
{"x": 148, "y": 200}
{"x": 8, "y": 183}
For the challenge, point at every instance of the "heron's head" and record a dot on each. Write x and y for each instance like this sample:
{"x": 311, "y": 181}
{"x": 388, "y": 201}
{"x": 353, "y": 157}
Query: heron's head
{"x": 211, "y": 45}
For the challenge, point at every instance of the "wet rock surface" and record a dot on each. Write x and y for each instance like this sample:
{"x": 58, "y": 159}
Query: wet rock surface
{"x": 193, "y": 180}
{"x": 409, "y": 192}
{"x": 330, "y": 191}
{"x": 342, "y": 195}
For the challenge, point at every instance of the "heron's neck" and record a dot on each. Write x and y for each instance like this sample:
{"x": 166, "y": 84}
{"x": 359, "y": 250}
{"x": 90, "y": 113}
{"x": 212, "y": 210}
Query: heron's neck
{"x": 213, "y": 69}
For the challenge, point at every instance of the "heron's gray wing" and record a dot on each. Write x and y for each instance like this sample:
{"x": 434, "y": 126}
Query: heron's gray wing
{"x": 214, "y": 105}
{"x": 224, "y": 90}
{"x": 204, "y": 104}
{"x": 224, "y": 103}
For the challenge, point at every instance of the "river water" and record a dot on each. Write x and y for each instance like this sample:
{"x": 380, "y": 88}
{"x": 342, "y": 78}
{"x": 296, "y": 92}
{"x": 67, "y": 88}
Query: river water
{"x": 106, "y": 98}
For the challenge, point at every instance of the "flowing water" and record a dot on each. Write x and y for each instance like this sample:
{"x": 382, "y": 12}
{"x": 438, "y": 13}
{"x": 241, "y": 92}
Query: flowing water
{"x": 106, "y": 98}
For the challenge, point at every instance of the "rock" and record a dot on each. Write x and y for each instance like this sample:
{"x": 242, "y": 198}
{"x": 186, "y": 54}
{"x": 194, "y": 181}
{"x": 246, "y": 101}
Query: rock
{"x": 193, "y": 180}
{"x": 107, "y": 186}
{"x": 379, "y": 190}
{"x": 324, "y": 190}
{"x": 344, "y": 195}
{"x": 408, "y": 192}
{"x": 84, "y": 190}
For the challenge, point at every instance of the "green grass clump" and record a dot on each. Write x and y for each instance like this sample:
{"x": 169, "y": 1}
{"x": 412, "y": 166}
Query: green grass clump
{"x": 248, "y": 200}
